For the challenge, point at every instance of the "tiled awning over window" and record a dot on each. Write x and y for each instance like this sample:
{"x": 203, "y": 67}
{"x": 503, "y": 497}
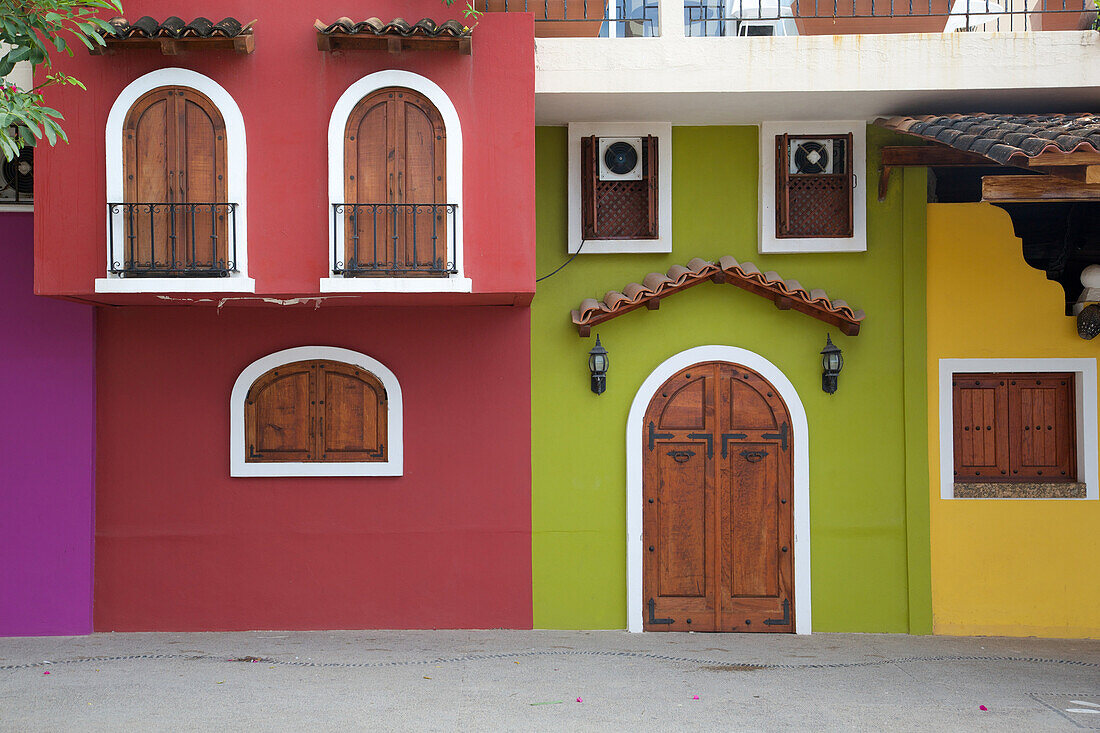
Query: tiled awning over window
{"x": 1005, "y": 139}
{"x": 175, "y": 35}
{"x": 786, "y": 294}
{"x": 395, "y": 36}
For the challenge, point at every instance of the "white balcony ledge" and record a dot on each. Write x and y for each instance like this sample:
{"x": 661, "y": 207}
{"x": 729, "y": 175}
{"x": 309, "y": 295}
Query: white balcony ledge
{"x": 745, "y": 80}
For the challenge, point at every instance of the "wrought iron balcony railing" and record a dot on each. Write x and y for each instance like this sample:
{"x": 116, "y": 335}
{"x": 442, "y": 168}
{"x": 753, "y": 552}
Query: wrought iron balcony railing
{"x": 394, "y": 240}
{"x": 639, "y": 18}
{"x": 163, "y": 239}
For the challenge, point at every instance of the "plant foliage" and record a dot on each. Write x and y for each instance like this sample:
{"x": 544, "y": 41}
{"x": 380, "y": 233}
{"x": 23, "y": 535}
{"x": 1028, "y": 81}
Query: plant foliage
{"x": 31, "y": 30}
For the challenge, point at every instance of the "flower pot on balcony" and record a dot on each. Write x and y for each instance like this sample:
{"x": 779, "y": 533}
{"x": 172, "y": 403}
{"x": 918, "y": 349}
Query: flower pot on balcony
{"x": 1080, "y": 17}
{"x": 848, "y": 20}
{"x": 557, "y": 18}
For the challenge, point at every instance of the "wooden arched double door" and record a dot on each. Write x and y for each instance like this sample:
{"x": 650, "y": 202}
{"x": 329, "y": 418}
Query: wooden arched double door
{"x": 395, "y": 186}
{"x": 717, "y": 517}
{"x": 174, "y": 158}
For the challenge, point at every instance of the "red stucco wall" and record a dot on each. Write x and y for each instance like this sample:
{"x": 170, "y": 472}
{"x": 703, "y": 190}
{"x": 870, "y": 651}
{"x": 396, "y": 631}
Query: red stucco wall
{"x": 286, "y": 91}
{"x": 182, "y": 546}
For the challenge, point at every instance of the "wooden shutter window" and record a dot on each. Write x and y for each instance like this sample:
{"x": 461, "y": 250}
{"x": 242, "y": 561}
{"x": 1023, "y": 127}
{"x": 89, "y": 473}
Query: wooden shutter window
{"x": 619, "y": 209}
{"x": 1014, "y": 427}
{"x": 814, "y": 205}
{"x": 175, "y": 152}
{"x": 316, "y": 411}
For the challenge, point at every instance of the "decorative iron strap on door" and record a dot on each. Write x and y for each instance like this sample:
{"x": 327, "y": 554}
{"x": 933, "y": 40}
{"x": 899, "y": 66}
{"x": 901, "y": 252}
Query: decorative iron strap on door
{"x": 717, "y": 531}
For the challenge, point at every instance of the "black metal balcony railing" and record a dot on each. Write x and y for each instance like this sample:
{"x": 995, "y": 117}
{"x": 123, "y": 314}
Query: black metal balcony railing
{"x": 394, "y": 240}
{"x": 590, "y": 18}
{"x": 162, "y": 239}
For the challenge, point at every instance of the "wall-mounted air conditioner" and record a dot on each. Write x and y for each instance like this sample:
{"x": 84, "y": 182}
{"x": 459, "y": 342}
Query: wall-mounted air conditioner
{"x": 620, "y": 159}
{"x": 815, "y": 156}
{"x": 17, "y": 179}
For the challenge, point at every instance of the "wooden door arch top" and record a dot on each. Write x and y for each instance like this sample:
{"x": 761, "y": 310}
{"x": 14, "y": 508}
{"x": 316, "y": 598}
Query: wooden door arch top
{"x": 395, "y": 149}
{"x": 798, "y": 437}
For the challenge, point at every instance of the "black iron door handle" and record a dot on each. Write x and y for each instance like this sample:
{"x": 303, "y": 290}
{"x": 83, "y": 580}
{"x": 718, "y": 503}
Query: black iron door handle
{"x": 752, "y": 456}
{"x": 681, "y": 456}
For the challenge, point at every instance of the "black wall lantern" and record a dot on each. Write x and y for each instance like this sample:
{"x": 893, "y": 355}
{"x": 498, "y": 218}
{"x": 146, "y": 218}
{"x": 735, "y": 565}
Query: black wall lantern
{"x": 597, "y": 364}
{"x": 832, "y": 361}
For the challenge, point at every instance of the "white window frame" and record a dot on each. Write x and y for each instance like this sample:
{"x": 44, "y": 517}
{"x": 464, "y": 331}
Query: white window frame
{"x": 769, "y": 242}
{"x": 1086, "y": 413}
{"x": 457, "y": 283}
{"x": 663, "y": 132}
{"x": 395, "y": 432}
{"x": 236, "y": 185}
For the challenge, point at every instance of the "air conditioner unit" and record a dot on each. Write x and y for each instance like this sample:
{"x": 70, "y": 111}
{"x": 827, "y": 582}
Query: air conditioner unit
{"x": 620, "y": 158}
{"x": 17, "y": 178}
{"x": 814, "y": 157}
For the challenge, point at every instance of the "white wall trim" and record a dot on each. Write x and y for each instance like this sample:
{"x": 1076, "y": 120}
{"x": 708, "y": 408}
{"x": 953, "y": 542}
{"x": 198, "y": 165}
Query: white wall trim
{"x": 799, "y": 440}
{"x": 663, "y": 132}
{"x": 769, "y": 243}
{"x": 1085, "y": 395}
{"x": 236, "y": 185}
{"x": 393, "y": 466}
{"x": 453, "y": 284}
{"x": 339, "y": 120}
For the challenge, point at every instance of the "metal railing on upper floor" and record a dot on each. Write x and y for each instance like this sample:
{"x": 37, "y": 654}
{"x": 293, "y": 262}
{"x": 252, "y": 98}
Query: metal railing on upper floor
{"x": 166, "y": 239}
{"x": 745, "y": 18}
{"x": 394, "y": 240}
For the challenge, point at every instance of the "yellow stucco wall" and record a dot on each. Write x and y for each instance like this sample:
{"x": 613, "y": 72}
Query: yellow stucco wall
{"x": 1002, "y": 566}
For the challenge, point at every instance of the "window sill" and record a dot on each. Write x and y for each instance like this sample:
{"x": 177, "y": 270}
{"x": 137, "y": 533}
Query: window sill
{"x": 175, "y": 285}
{"x": 396, "y": 285}
{"x": 242, "y": 469}
{"x": 1021, "y": 490}
{"x": 622, "y": 246}
{"x": 773, "y": 245}
{"x": 13, "y": 208}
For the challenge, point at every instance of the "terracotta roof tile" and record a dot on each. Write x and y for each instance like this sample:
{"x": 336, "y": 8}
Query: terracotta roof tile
{"x": 425, "y": 27}
{"x": 175, "y": 27}
{"x": 786, "y": 294}
{"x": 1006, "y": 139}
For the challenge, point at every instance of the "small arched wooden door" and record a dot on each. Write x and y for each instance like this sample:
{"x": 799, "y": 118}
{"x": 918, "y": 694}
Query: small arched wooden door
{"x": 394, "y": 159}
{"x": 717, "y": 517}
{"x": 174, "y": 154}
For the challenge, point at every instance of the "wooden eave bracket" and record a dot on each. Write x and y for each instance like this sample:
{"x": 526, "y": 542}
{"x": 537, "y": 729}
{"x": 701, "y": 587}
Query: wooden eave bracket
{"x": 392, "y": 44}
{"x": 908, "y": 156}
{"x": 1029, "y": 189}
{"x": 245, "y": 43}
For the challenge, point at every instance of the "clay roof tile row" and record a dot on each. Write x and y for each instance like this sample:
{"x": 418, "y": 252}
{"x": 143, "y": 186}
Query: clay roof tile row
{"x": 1006, "y": 139}
{"x": 175, "y": 27}
{"x": 654, "y": 286}
{"x": 425, "y": 27}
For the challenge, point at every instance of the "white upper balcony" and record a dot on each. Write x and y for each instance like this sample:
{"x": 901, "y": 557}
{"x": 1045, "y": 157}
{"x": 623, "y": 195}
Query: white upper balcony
{"x": 742, "y": 61}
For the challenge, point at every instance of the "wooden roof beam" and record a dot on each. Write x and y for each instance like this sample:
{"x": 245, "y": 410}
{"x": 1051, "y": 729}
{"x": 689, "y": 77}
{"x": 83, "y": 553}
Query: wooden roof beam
{"x": 1021, "y": 189}
{"x": 1079, "y": 173}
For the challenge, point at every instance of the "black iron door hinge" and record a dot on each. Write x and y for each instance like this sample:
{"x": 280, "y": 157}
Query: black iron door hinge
{"x": 707, "y": 437}
{"x": 654, "y": 435}
{"x": 726, "y": 438}
{"x": 784, "y": 430}
{"x": 652, "y": 614}
{"x": 786, "y": 616}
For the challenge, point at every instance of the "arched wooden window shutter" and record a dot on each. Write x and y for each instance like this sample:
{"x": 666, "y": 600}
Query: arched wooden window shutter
{"x": 174, "y": 154}
{"x": 316, "y": 411}
{"x": 394, "y": 159}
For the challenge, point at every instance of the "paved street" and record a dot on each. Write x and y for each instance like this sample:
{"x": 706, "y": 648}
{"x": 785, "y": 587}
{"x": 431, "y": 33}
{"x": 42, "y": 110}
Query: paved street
{"x": 531, "y": 680}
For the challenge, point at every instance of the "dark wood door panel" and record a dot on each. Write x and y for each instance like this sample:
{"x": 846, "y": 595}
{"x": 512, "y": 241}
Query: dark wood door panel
{"x": 717, "y": 520}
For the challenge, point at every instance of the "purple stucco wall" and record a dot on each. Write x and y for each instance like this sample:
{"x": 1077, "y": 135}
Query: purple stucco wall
{"x": 47, "y": 449}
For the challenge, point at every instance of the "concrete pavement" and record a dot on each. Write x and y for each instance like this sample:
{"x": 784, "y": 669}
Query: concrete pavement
{"x": 530, "y": 680}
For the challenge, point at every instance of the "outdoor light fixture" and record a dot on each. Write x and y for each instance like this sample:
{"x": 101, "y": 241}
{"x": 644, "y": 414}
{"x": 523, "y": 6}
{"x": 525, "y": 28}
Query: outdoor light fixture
{"x": 832, "y": 361}
{"x": 597, "y": 364}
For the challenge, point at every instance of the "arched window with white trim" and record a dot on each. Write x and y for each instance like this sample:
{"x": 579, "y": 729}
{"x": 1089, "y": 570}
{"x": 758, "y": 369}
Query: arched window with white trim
{"x": 175, "y": 182}
{"x": 395, "y": 187}
{"x": 316, "y": 411}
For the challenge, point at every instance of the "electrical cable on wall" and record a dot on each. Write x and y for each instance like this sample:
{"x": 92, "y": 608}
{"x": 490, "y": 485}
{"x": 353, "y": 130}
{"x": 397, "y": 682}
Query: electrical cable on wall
{"x": 571, "y": 258}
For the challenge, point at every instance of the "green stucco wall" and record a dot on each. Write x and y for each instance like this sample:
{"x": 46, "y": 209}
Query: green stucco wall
{"x": 869, "y": 533}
